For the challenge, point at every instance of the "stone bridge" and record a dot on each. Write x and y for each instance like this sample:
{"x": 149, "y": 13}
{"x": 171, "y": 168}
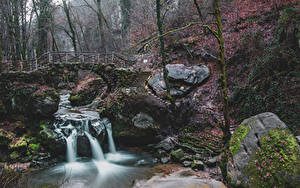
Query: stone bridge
{"x": 51, "y": 58}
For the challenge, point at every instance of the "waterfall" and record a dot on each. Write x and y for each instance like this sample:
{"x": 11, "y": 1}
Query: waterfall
{"x": 72, "y": 146}
{"x": 96, "y": 148}
{"x": 86, "y": 125}
{"x": 111, "y": 143}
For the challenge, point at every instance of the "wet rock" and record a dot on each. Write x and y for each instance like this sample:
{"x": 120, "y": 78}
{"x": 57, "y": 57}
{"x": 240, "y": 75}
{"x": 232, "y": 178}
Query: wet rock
{"x": 166, "y": 144}
{"x": 87, "y": 90}
{"x": 44, "y": 102}
{"x": 164, "y": 160}
{"x": 143, "y": 121}
{"x": 256, "y": 142}
{"x": 187, "y": 163}
{"x": 197, "y": 164}
{"x": 180, "y": 179}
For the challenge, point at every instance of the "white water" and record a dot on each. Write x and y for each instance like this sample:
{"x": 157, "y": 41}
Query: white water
{"x": 96, "y": 148}
{"x": 72, "y": 146}
{"x": 86, "y": 125}
{"x": 111, "y": 143}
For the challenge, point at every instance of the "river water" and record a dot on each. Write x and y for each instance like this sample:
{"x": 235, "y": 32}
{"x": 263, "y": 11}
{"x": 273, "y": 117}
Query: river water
{"x": 115, "y": 169}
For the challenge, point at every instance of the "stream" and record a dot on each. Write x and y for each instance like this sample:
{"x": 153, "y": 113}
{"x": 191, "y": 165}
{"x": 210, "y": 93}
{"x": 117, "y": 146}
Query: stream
{"x": 113, "y": 169}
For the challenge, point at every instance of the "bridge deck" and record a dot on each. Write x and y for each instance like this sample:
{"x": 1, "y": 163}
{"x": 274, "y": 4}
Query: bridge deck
{"x": 64, "y": 57}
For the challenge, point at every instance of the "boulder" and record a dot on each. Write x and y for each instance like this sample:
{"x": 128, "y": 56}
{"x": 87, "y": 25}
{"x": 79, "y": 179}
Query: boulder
{"x": 44, "y": 102}
{"x": 183, "y": 178}
{"x": 265, "y": 154}
{"x": 87, "y": 90}
{"x": 144, "y": 121}
{"x": 182, "y": 79}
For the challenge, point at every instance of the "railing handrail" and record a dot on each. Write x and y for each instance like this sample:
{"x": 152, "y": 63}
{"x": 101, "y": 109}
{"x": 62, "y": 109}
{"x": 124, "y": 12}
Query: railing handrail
{"x": 64, "y": 57}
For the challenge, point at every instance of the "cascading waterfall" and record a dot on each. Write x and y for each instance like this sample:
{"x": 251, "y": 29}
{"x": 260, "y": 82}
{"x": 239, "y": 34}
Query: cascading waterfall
{"x": 72, "y": 146}
{"x": 72, "y": 126}
{"x": 96, "y": 148}
{"x": 111, "y": 143}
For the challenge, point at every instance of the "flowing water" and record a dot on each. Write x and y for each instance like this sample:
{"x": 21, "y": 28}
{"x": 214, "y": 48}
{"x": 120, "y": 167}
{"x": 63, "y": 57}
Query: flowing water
{"x": 115, "y": 169}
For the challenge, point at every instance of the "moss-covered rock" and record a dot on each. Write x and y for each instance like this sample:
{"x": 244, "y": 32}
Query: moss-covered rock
{"x": 264, "y": 154}
{"x": 87, "y": 90}
{"x": 177, "y": 154}
{"x": 276, "y": 162}
{"x": 238, "y": 135}
{"x": 44, "y": 102}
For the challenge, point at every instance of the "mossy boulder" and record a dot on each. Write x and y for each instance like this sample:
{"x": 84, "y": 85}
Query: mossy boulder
{"x": 264, "y": 154}
{"x": 44, "y": 102}
{"x": 87, "y": 90}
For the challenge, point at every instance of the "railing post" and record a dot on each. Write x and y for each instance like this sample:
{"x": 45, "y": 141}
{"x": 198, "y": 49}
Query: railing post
{"x": 66, "y": 58}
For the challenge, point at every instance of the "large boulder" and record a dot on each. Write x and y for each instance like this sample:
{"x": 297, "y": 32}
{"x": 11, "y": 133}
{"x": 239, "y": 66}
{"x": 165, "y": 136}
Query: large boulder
{"x": 44, "y": 102}
{"x": 182, "y": 79}
{"x": 139, "y": 117}
{"x": 87, "y": 90}
{"x": 265, "y": 154}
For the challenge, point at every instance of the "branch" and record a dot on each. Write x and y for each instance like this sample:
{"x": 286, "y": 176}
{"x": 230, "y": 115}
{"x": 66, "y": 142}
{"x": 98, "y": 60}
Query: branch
{"x": 149, "y": 39}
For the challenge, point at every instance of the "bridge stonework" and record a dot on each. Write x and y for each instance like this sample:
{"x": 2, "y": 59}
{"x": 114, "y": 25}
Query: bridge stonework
{"x": 74, "y": 58}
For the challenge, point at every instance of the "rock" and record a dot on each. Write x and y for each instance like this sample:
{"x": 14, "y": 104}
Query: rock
{"x": 164, "y": 160}
{"x": 177, "y": 154}
{"x": 265, "y": 153}
{"x": 183, "y": 178}
{"x": 191, "y": 75}
{"x": 187, "y": 163}
{"x": 87, "y": 90}
{"x": 166, "y": 144}
{"x": 144, "y": 121}
{"x": 44, "y": 102}
{"x": 298, "y": 138}
{"x": 197, "y": 164}
{"x": 212, "y": 162}
{"x": 182, "y": 79}
{"x": 187, "y": 157}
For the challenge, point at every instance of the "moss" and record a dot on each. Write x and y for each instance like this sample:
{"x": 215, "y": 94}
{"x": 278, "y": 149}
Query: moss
{"x": 75, "y": 98}
{"x": 34, "y": 148}
{"x": 277, "y": 162}
{"x": 178, "y": 154}
{"x": 238, "y": 135}
{"x": 18, "y": 143}
{"x": 14, "y": 155}
{"x": 6, "y": 137}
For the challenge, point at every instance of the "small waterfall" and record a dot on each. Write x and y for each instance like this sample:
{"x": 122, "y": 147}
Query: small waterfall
{"x": 96, "y": 148}
{"x": 86, "y": 125}
{"x": 72, "y": 146}
{"x": 111, "y": 143}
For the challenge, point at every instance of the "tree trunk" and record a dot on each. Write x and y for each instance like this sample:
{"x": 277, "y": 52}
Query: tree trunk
{"x": 100, "y": 25}
{"x": 226, "y": 126}
{"x": 73, "y": 35}
{"x": 162, "y": 48}
{"x": 125, "y": 12}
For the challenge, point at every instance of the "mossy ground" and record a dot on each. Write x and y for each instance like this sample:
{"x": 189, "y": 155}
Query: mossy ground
{"x": 277, "y": 162}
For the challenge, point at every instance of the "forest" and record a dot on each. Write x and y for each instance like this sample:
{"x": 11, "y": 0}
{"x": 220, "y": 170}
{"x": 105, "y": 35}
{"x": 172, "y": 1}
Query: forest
{"x": 149, "y": 94}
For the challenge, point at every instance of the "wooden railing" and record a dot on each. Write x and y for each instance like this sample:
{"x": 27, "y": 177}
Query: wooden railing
{"x": 64, "y": 57}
